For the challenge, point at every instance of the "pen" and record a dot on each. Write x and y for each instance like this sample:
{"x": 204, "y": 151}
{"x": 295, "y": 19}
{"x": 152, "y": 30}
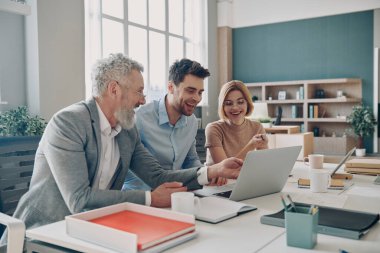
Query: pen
{"x": 291, "y": 203}
{"x": 262, "y": 137}
{"x": 283, "y": 202}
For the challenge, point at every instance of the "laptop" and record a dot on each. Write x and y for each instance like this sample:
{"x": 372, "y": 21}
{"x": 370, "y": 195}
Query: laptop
{"x": 263, "y": 172}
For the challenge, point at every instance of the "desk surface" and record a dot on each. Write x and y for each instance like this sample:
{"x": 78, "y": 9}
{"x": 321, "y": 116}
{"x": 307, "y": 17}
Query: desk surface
{"x": 245, "y": 233}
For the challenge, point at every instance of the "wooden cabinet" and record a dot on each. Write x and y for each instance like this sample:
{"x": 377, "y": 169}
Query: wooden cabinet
{"x": 319, "y": 106}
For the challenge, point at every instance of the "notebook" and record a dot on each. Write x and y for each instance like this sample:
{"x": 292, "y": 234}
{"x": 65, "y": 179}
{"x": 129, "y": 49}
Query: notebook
{"x": 263, "y": 172}
{"x": 214, "y": 209}
{"x": 332, "y": 221}
{"x": 150, "y": 230}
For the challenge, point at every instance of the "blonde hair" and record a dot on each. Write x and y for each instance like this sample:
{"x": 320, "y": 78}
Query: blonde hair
{"x": 226, "y": 89}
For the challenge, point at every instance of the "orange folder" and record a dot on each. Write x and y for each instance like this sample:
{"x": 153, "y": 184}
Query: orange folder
{"x": 150, "y": 230}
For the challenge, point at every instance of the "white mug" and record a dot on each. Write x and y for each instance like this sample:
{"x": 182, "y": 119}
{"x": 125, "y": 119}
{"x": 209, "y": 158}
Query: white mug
{"x": 319, "y": 180}
{"x": 185, "y": 202}
{"x": 315, "y": 161}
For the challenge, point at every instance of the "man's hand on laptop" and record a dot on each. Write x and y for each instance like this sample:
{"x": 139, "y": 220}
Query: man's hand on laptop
{"x": 228, "y": 168}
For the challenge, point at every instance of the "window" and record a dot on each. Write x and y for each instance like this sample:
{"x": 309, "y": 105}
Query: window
{"x": 152, "y": 32}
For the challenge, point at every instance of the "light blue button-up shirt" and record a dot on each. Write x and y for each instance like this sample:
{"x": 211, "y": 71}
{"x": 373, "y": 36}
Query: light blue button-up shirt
{"x": 172, "y": 146}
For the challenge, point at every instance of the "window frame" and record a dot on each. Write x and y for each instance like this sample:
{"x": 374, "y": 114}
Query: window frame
{"x": 151, "y": 93}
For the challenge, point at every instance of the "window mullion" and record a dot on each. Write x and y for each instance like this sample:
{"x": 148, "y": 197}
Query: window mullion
{"x": 148, "y": 48}
{"x": 166, "y": 41}
{"x": 126, "y": 33}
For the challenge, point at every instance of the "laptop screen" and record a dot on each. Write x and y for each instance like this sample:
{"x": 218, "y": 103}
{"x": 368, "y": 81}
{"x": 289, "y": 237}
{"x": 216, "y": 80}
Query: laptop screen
{"x": 343, "y": 160}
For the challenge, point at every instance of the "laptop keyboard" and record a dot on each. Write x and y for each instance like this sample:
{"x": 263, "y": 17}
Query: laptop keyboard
{"x": 226, "y": 194}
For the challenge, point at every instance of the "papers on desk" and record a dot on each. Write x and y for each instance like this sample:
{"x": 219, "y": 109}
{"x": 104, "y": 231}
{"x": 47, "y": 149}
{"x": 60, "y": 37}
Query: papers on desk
{"x": 369, "y": 192}
{"x": 216, "y": 209}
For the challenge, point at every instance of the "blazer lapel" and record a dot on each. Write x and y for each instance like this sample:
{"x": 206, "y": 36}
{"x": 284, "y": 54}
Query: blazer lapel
{"x": 94, "y": 115}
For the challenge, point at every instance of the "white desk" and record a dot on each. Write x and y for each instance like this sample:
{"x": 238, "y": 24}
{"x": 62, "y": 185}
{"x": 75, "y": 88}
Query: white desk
{"x": 245, "y": 233}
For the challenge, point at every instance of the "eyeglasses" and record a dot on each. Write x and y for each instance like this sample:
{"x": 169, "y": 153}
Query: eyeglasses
{"x": 240, "y": 102}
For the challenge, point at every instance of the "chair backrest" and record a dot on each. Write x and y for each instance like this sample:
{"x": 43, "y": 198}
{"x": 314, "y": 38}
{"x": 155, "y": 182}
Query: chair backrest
{"x": 16, "y": 234}
{"x": 16, "y": 167}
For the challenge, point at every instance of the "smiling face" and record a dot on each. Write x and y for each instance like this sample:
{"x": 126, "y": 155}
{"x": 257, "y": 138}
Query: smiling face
{"x": 235, "y": 107}
{"x": 131, "y": 97}
{"x": 187, "y": 95}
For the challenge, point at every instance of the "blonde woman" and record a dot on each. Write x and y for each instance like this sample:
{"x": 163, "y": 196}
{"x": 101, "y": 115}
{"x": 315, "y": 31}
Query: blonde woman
{"x": 233, "y": 135}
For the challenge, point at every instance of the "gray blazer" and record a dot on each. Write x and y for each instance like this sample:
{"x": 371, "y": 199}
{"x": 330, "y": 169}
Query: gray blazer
{"x": 66, "y": 163}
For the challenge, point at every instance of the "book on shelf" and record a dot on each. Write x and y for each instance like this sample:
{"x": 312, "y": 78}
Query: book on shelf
{"x": 301, "y": 92}
{"x": 311, "y": 111}
{"x": 216, "y": 209}
{"x": 332, "y": 221}
{"x": 150, "y": 230}
{"x": 294, "y": 111}
{"x": 315, "y": 111}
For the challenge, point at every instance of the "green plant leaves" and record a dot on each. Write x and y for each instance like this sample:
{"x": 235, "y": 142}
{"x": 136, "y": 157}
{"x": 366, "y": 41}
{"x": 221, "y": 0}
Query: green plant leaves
{"x": 18, "y": 122}
{"x": 362, "y": 120}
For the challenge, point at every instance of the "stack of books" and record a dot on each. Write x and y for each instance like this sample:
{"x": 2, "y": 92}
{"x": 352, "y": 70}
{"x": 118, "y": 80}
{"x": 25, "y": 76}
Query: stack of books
{"x": 363, "y": 166}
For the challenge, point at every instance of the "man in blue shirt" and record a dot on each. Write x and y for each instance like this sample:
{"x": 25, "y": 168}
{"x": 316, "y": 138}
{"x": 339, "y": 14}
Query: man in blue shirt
{"x": 167, "y": 126}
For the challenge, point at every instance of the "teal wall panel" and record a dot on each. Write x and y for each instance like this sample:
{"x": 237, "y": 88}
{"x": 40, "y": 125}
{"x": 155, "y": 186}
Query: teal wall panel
{"x": 327, "y": 47}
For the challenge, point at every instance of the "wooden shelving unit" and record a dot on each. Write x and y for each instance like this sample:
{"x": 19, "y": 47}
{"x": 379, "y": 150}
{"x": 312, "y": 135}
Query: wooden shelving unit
{"x": 332, "y": 110}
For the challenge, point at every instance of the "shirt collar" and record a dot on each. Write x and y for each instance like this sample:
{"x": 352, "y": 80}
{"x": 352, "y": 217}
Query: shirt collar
{"x": 105, "y": 127}
{"x": 163, "y": 117}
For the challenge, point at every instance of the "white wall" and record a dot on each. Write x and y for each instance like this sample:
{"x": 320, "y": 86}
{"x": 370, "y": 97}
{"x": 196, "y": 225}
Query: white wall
{"x": 55, "y": 52}
{"x": 12, "y": 58}
{"x": 257, "y": 12}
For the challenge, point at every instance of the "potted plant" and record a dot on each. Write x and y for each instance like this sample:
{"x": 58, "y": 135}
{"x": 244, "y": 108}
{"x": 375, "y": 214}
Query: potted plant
{"x": 363, "y": 124}
{"x": 266, "y": 122}
{"x": 19, "y": 122}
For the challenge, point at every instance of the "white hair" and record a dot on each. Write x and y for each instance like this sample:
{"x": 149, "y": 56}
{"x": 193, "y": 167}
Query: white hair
{"x": 114, "y": 67}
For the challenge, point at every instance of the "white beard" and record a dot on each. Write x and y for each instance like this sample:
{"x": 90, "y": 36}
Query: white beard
{"x": 126, "y": 118}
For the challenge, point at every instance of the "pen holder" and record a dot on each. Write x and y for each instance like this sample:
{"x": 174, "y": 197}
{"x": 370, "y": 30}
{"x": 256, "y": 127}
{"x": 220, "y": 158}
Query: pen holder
{"x": 301, "y": 227}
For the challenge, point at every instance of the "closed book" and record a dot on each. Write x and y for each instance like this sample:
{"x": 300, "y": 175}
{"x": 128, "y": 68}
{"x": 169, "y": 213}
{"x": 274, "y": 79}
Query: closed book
{"x": 363, "y": 163}
{"x": 301, "y": 93}
{"x": 332, "y": 221}
{"x": 366, "y": 171}
{"x": 215, "y": 209}
{"x": 150, "y": 230}
{"x": 311, "y": 111}
{"x": 315, "y": 111}
{"x": 294, "y": 111}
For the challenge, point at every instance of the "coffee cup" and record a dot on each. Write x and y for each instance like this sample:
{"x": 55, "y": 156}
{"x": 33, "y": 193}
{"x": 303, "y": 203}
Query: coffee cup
{"x": 319, "y": 180}
{"x": 315, "y": 161}
{"x": 185, "y": 202}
